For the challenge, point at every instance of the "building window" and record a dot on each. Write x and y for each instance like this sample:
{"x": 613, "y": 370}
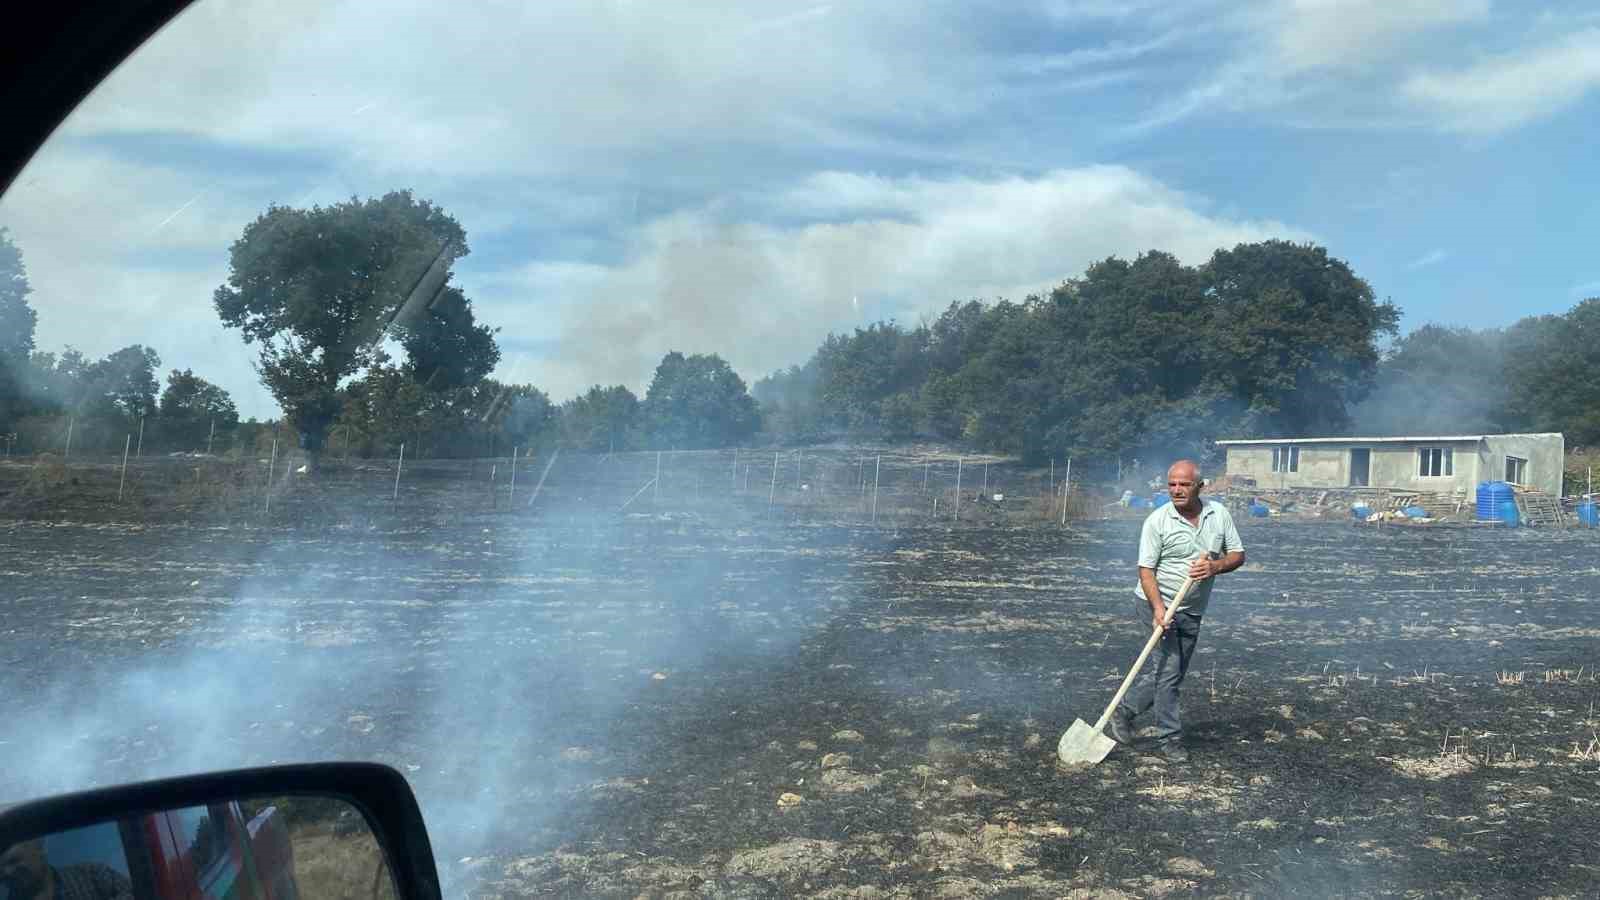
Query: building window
{"x": 1285, "y": 459}
{"x": 1436, "y": 462}
{"x": 1516, "y": 470}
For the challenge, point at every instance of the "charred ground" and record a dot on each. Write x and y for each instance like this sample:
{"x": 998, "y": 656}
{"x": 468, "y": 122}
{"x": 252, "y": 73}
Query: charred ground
{"x": 616, "y": 704}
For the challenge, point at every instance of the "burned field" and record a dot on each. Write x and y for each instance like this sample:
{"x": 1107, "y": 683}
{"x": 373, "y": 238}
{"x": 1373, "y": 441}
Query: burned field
{"x": 676, "y": 702}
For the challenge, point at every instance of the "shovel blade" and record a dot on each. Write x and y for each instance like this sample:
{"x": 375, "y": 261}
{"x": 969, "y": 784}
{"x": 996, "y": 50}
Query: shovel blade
{"x": 1082, "y": 745}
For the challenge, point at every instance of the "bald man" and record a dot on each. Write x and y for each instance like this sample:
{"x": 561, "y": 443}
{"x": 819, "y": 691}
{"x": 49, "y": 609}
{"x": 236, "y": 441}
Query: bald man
{"x": 1187, "y": 538}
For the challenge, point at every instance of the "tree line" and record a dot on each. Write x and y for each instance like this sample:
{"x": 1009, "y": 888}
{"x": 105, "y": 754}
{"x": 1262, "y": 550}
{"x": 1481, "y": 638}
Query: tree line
{"x": 1149, "y": 357}
{"x": 365, "y": 343}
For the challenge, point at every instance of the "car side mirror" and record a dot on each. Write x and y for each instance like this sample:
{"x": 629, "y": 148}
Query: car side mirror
{"x": 348, "y": 830}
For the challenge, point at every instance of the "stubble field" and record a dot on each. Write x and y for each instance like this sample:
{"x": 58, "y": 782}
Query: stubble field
{"x": 702, "y": 703}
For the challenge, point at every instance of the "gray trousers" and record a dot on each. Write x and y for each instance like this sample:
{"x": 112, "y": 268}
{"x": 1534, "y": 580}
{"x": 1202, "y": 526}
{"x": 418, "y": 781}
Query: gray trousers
{"x": 1157, "y": 686}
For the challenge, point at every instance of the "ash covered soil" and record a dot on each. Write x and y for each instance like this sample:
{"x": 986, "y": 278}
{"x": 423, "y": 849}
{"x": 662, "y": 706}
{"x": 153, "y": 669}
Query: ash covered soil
{"x": 671, "y": 704}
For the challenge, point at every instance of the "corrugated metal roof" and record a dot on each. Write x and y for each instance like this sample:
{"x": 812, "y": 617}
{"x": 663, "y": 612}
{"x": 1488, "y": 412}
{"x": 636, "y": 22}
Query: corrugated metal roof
{"x": 1420, "y": 439}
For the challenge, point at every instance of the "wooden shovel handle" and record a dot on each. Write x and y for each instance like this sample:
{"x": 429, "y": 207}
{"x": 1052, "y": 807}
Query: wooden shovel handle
{"x": 1155, "y": 637}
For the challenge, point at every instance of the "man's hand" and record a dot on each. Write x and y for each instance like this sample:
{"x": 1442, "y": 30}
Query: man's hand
{"x": 1202, "y": 567}
{"x": 1160, "y": 611}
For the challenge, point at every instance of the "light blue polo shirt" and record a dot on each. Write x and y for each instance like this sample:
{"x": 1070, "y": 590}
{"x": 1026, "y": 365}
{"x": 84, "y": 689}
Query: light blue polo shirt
{"x": 1168, "y": 542}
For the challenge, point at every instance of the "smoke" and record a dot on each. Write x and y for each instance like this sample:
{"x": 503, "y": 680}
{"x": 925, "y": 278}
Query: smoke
{"x": 508, "y": 672}
{"x": 1437, "y": 380}
{"x": 761, "y": 280}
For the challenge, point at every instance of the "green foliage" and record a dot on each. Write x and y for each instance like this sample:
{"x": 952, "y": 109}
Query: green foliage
{"x": 698, "y": 401}
{"x": 1438, "y": 380}
{"x": 1552, "y": 374}
{"x": 789, "y": 406}
{"x": 123, "y": 384}
{"x": 1294, "y": 336}
{"x": 1142, "y": 356}
{"x": 601, "y": 420}
{"x": 191, "y": 408}
{"x": 318, "y": 289}
{"x": 17, "y": 321}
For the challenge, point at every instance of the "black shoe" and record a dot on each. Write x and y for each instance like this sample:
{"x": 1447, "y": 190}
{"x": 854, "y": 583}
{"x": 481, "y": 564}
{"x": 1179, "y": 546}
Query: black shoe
{"x": 1121, "y": 727}
{"x": 1173, "y": 752}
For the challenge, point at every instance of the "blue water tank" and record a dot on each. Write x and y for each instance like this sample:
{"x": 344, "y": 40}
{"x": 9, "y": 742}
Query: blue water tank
{"x": 1360, "y": 511}
{"x": 1414, "y": 512}
{"x": 1260, "y": 510}
{"x": 1491, "y": 496}
{"x": 1507, "y": 513}
{"x": 1588, "y": 513}
{"x": 1160, "y": 499}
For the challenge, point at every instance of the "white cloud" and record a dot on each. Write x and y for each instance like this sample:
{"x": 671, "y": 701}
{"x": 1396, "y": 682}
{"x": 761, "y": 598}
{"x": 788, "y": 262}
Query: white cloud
{"x": 119, "y": 253}
{"x": 764, "y": 296}
{"x": 1335, "y": 64}
{"x": 1431, "y": 258}
{"x": 1509, "y": 90}
{"x": 539, "y": 88}
{"x": 1341, "y": 34}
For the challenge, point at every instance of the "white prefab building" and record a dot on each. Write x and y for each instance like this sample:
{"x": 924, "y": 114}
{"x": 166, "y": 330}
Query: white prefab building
{"x": 1448, "y": 464}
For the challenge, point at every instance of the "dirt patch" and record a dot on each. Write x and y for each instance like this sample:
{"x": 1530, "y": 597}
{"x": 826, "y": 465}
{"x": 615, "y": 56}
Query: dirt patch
{"x": 791, "y": 863}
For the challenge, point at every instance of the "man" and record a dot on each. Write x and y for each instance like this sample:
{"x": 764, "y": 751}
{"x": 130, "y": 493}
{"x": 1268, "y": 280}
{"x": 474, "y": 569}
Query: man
{"x": 1184, "y": 539}
{"x": 26, "y": 874}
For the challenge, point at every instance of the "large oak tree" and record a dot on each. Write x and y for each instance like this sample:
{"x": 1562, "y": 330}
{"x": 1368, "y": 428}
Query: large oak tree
{"x": 320, "y": 288}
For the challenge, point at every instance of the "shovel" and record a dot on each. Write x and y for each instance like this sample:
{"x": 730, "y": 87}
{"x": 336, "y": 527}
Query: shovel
{"x": 1083, "y": 745}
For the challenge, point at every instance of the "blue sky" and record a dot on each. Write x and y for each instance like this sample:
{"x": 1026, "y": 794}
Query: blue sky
{"x": 741, "y": 178}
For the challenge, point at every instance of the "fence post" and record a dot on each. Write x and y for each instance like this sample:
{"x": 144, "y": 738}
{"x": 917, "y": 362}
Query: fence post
{"x": 513, "y": 478}
{"x": 397, "y": 467}
{"x": 957, "y": 515}
{"x": 139, "y": 453}
{"x": 773, "y": 491}
{"x": 656, "y": 493}
{"x": 542, "y": 475}
{"x": 124, "y": 478}
{"x": 1066, "y": 491}
{"x": 877, "y": 466}
{"x": 272, "y": 468}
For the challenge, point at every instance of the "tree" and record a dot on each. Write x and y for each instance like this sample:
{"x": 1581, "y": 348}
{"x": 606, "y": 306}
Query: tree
{"x": 1293, "y": 334}
{"x": 1550, "y": 367}
{"x": 601, "y": 419}
{"x": 858, "y": 372}
{"x": 1437, "y": 380}
{"x": 525, "y": 416}
{"x": 124, "y": 383}
{"x": 445, "y": 349}
{"x": 697, "y": 402}
{"x": 192, "y": 407}
{"x": 788, "y": 402}
{"x": 318, "y": 289}
{"x": 17, "y": 322}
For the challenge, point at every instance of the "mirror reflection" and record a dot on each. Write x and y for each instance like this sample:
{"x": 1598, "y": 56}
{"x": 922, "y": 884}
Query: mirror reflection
{"x": 273, "y": 848}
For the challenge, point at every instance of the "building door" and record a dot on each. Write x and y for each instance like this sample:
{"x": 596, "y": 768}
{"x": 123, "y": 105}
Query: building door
{"x": 1360, "y": 467}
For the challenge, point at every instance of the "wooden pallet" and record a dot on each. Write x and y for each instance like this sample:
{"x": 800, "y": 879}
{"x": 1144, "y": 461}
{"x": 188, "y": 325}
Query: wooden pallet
{"x": 1540, "y": 510}
{"x": 1437, "y": 505}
